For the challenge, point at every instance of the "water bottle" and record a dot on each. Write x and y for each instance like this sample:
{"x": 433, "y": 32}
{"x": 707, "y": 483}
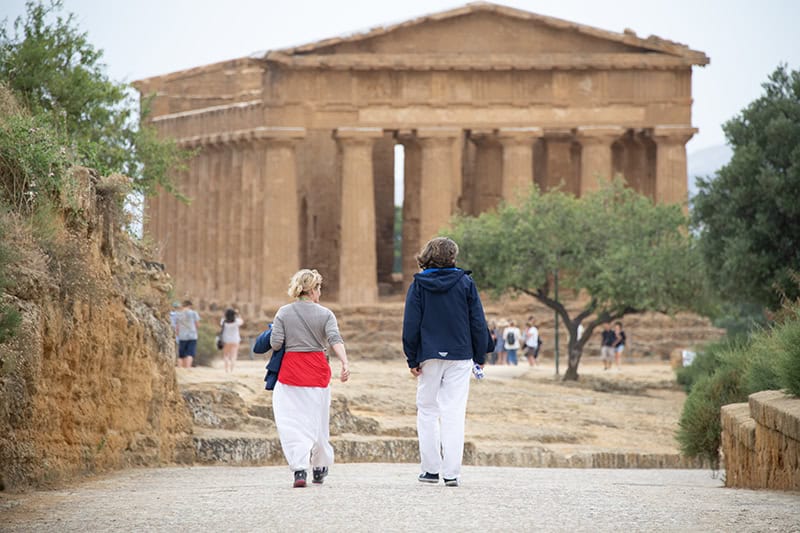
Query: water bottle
{"x": 478, "y": 371}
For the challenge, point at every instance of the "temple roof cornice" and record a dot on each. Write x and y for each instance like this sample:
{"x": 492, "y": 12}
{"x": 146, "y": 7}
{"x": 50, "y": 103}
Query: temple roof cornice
{"x": 553, "y": 61}
{"x": 628, "y": 37}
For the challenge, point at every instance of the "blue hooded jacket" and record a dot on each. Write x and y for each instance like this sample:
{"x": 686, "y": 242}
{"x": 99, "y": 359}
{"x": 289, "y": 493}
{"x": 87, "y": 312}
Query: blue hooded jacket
{"x": 443, "y": 318}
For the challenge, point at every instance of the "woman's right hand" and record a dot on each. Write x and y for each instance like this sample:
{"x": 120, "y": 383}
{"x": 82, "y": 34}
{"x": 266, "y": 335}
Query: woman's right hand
{"x": 345, "y": 374}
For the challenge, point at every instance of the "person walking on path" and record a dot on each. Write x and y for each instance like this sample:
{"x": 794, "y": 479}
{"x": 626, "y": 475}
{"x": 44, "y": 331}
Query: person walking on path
{"x": 444, "y": 335}
{"x": 532, "y": 342}
{"x": 607, "y": 350}
{"x": 302, "y": 397}
{"x": 231, "y": 338}
{"x": 619, "y": 343}
{"x": 511, "y": 339}
{"x": 186, "y": 321}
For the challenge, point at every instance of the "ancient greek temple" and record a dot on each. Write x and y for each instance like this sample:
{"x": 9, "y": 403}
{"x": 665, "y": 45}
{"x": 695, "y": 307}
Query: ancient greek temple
{"x": 295, "y": 148}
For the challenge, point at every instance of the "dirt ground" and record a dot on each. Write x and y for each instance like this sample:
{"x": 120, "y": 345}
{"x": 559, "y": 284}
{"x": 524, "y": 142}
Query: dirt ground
{"x": 632, "y": 410}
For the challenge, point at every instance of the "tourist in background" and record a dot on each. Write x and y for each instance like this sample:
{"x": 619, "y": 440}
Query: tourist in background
{"x": 186, "y": 321}
{"x": 607, "y": 349}
{"x": 231, "y": 338}
{"x": 500, "y": 345}
{"x": 173, "y": 320}
{"x": 532, "y": 342}
{"x": 619, "y": 343}
{"x": 444, "y": 335}
{"x": 302, "y": 397}
{"x": 493, "y": 335}
{"x": 511, "y": 340}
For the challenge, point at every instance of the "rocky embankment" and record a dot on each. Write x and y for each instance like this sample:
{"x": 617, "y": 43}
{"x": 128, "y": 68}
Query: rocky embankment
{"x": 87, "y": 384}
{"x": 519, "y": 416}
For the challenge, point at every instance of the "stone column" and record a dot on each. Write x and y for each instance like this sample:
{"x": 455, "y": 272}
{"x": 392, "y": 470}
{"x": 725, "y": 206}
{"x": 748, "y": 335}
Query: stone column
{"x": 202, "y": 248}
{"x": 517, "y": 161}
{"x": 671, "y": 179}
{"x": 227, "y": 203}
{"x": 280, "y": 257}
{"x": 358, "y": 269}
{"x": 438, "y": 183}
{"x": 487, "y": 170}
{"x": 411, "y": 198}
{"x": 596, "y": 154}
{"x": 249, "y": 255}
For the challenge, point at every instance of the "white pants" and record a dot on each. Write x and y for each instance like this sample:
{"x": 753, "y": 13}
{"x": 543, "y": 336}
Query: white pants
{"x": 302, "y": 415}
{"x": 442, "y": 390}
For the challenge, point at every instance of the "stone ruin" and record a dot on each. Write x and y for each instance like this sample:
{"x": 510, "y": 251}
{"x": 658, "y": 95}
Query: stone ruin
{"x": 296, "y": 147}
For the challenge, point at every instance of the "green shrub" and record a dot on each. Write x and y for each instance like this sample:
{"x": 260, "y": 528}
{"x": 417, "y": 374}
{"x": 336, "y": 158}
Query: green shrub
{"x": 762, "y": 372}
{"x": 704, "y": 364}
{"x": 206, "y": 348}
{"x": 699, "y": 432}
{"x": 787, "y": 339}
{"x": 9, "y": 317}
{"x": 729, "y": 372}
{"x": 33, "y": 157}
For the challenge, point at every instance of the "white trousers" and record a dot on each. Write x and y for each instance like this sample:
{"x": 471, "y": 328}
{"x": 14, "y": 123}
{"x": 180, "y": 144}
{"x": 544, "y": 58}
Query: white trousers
{"x": 302, "y": 416}
{"x": 442, "y": 390}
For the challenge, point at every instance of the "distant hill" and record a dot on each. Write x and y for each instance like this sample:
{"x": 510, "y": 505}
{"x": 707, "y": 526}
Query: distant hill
{"x": 706, "y": 162}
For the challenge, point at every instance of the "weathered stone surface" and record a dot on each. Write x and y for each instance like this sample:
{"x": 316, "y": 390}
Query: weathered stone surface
{"x": 542, "y": 457}
{"x": 343, "y": 421}
{"x": 211, "y": 448}
{"x": 760, "y": 444}
{"x": 775, "y": 410}
{"x": 88, "y": 383}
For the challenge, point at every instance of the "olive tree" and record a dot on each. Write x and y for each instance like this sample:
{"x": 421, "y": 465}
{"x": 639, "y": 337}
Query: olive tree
{"x": 617, "y": 248}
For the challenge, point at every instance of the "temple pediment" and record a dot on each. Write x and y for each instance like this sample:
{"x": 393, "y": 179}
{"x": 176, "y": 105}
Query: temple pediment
{"x": 486, "y": 35}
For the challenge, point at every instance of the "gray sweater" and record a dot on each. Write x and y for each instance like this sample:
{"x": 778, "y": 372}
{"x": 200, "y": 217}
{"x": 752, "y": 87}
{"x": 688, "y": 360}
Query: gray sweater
{"x": 288, "y": 327}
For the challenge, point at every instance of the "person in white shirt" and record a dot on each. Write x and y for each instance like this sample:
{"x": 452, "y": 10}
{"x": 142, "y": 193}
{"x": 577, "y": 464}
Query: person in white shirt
{"x": 231, "y": 338}
{"x": 532, "y": 342}
{"x": 511, "y": 339}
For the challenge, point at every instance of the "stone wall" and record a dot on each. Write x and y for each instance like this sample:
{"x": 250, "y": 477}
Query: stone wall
{"x": 88, "y": 382}
{"x": 761, "y": 442}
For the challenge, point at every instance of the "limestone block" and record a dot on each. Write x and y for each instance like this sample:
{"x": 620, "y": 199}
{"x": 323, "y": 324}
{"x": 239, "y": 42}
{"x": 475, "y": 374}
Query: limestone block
{"x": 343, "y": 421}
{"x": 775, "y": 410}
{"x": 737, "y": 422}
{"x": 759, "y": 444}
{"x": 239, "y": 450}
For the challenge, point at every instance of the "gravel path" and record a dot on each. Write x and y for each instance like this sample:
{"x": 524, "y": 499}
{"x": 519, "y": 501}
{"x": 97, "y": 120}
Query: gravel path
{"x": 387, "y": 497}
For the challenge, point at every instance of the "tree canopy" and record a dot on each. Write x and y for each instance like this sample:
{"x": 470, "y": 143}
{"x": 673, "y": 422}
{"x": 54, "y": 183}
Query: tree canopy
{"x": 748, "y": 217}
{"x": 615, "y": 246}
{"x": 55, "y": 71}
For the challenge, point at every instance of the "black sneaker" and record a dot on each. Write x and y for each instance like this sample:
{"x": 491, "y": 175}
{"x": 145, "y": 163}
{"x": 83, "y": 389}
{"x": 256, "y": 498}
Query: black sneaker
{"x": 300, "y": 478}
{"x": 427, "y": 477}
{"x": 318, "y": 474}
{"x": 451, "y": 482}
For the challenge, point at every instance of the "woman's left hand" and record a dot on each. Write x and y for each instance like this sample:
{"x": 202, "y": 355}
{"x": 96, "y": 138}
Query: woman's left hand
{"x": 345, "y": 375}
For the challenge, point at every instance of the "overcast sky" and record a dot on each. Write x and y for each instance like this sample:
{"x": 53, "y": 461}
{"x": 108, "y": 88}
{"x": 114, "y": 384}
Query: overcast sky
{"x": 745, "y": 39}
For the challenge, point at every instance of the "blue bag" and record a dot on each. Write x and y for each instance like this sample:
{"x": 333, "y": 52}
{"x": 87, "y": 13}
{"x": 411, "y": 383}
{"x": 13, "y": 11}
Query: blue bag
{"x": 262, "y": 345}
{"x": 262, "y": 341}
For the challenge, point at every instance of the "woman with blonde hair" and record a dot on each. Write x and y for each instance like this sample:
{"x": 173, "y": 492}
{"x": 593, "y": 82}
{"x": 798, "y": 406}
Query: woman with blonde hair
{"x": 302, "y": 396}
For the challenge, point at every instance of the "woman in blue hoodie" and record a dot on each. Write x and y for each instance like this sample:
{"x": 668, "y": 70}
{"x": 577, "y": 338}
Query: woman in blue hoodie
{"x": 444, "y": 335}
